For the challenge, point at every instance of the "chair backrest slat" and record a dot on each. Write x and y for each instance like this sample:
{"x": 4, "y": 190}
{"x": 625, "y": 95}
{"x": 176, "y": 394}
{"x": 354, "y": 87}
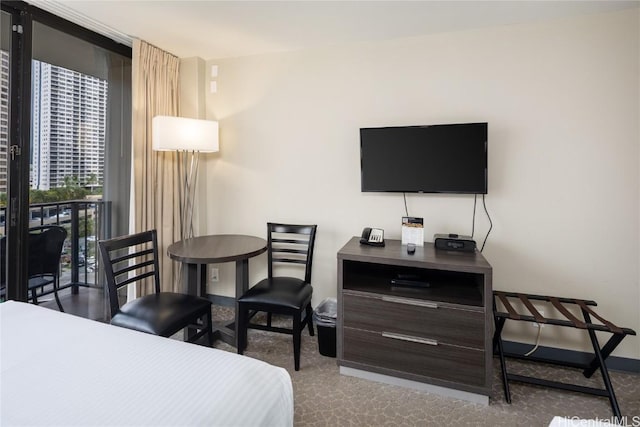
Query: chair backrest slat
{"x": 127, "y": 260}
{"x": 292, "y": 261}
{"x": 133, "y": 269}
{"x": 131, "y": 255}
{"x": 291, "y": 251}
{"x": 294, "y": 241}
{"x": 135, "y": 279}
{"x": 294, "y": 248}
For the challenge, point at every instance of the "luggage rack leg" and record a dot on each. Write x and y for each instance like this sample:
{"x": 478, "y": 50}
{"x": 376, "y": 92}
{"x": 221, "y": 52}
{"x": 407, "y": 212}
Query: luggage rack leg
{"x": 605, "y": 352}
{"x": 603, "y": 370}
{"x": 497, "y": 342}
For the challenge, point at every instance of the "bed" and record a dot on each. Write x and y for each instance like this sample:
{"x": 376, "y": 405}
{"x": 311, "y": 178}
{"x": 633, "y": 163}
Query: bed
{"x": 59, "y": 369}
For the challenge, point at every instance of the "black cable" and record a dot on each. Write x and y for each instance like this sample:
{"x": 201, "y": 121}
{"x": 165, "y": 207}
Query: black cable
{"x": 490, "y": 223}
{"x": 473, "y": 222}
{"x": 405, "y": 203}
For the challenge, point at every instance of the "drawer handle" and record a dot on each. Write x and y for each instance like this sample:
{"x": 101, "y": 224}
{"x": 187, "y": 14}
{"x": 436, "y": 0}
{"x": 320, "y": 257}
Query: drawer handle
{"x": 407, "y": 301}
{"x": 409, "y": 338}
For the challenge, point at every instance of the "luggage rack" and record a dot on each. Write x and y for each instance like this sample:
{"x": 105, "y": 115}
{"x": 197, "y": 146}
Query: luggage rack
{"x": 600, "y": 354}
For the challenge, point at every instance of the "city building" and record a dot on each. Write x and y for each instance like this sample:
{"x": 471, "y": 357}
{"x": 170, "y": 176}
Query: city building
{"x": 69, "y": 127}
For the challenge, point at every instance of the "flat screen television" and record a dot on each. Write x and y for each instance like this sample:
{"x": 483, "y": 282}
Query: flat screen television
{"x": 448, "y": 158}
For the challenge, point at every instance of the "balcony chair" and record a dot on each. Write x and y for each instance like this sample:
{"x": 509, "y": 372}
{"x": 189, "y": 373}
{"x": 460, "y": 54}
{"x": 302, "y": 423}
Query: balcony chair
{"x": 134, "y": 259}
{"x": 282, "y": 294}
{"x": 45, "y": 250}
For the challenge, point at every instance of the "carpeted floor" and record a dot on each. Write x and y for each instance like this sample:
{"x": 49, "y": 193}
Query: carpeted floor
{"x": 323, "y": 397}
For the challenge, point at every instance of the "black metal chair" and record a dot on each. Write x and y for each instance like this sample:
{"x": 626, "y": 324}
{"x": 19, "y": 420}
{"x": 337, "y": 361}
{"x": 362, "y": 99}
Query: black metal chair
{"x": 45, "y": 250}
{"x": 282, "y": 295}
{"x": 134, "y": 259}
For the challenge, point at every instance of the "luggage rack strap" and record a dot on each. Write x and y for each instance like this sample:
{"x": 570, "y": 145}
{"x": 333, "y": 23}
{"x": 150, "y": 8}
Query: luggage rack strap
{"x": 577, "y": 323}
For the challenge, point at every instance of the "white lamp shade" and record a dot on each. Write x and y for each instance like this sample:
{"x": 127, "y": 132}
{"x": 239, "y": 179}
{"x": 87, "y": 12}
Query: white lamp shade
{"x": 184, "y": 134}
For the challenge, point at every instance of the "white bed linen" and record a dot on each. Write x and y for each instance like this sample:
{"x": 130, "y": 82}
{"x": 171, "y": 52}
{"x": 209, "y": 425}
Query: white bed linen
{"x": 59, "y": 369}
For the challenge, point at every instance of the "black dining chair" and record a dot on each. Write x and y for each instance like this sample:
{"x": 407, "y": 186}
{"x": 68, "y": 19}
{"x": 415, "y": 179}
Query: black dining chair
{"x": 286, "y": 244}
{"x": 134, "y": 259}
{"x": 45, "y": 250}
{"x": 45, "y": 246}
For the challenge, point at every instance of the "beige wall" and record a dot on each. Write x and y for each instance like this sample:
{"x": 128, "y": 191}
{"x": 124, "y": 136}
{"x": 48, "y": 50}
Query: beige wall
{"x": 561, "y": 100}
{"x": 192, "y": 88}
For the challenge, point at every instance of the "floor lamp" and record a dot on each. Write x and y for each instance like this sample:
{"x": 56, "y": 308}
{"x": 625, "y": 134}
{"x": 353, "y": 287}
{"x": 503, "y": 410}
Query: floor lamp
{"x": 189, "y": 137}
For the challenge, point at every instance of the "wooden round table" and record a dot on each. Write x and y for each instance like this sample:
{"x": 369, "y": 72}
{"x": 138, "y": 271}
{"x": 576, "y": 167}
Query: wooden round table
{"x": 197, "y": 252}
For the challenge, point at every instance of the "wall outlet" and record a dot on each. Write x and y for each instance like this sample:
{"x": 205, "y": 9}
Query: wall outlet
{"x": 539, "y": 325}
{"x": 214, "y": 275}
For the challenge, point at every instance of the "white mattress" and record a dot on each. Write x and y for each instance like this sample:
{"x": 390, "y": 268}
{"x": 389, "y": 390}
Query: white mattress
{"x": 63, "y": 370}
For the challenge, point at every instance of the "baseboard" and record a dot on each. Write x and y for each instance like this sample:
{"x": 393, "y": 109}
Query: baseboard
{"x": 222, "y": 300}
{"x": 614, "y": 363}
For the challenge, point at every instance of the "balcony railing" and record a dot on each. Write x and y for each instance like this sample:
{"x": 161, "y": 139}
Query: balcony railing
{"x": 86, "y": 222}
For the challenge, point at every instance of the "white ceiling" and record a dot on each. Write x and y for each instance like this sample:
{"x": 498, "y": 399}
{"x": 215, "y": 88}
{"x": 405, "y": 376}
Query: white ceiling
{"x": 218, "y": 29}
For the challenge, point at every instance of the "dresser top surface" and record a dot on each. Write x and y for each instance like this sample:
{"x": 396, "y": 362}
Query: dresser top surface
{"x": 426, "y": 256}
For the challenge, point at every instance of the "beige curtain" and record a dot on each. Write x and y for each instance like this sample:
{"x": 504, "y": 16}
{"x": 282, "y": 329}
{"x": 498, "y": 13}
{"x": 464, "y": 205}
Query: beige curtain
{"x": 156, "y": 173}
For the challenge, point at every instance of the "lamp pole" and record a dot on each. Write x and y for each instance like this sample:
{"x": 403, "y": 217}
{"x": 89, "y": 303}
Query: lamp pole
{"x": 190, "y": 164}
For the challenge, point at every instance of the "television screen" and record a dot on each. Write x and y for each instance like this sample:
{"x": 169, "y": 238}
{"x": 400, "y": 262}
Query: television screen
{"x": 449, "y": 158}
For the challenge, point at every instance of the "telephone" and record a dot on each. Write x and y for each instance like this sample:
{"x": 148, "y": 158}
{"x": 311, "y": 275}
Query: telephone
{"x": 372, "y": 236}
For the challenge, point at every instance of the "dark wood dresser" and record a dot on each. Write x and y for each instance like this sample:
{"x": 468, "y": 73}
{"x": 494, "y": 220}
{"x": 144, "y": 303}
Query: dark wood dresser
{"x": 425, "y": 318}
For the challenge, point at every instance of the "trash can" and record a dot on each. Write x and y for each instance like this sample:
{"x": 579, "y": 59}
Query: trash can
{"x": 325, "y": 316}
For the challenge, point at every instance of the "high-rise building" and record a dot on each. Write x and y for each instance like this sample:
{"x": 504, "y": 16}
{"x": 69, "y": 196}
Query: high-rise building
{"x": 69, "y": 127}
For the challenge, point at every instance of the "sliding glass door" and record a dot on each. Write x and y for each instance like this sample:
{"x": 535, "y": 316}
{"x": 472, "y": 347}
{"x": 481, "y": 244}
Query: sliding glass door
{"x": 75, "y": 166}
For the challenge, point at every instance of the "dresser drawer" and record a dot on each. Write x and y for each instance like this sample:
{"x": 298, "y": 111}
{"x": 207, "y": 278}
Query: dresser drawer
{"x": 427, "y": 358}
{"x": 415, "y": 317}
